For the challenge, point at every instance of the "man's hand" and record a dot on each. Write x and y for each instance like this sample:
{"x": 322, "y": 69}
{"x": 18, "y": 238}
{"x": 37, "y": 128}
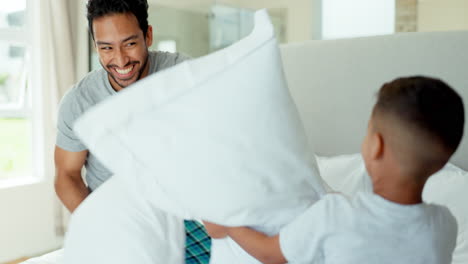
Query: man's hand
{"x": 215, "y": 231}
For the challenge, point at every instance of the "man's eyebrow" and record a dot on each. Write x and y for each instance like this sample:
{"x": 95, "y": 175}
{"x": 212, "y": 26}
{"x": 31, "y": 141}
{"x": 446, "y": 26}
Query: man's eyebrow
{"x": 102, "y": 43}
{"x": 110, "y": 43}
{"x": 129, "y": 38}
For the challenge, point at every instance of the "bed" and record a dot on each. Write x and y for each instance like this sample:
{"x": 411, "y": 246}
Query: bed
{"x": 333, "y": 83}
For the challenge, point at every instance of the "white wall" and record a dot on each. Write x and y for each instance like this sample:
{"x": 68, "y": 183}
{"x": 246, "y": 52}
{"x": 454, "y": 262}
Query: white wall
{"x": 300, "y": 14}
{"x": 27, "y": 221}
{"x": 300, "y": 24}
{"x": 441, "y": 15}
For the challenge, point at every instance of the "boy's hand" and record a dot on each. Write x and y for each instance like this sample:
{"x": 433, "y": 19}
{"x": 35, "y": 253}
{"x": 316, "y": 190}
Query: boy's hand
{"x": 215, "y": 231}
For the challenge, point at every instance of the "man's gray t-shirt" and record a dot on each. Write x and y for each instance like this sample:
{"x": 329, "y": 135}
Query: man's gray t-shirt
{"x": 92, "y": 89}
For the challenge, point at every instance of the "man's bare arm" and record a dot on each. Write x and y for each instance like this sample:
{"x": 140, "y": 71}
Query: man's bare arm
{"x": 69, "y": 185}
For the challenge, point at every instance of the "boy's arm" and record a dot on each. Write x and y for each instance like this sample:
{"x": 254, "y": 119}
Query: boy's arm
{"x": 262, "y": 247}
{"x": 214, "y": 230}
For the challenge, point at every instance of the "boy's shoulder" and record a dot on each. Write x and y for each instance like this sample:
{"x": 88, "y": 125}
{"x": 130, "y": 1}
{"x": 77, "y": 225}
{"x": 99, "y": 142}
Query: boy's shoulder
{"x": 338, "y": 203}
{"x": 340, "y": 210}
{"x": 442, "y": 231}
{"x": 331, "y": 207}
{"x": 443, "y": 219}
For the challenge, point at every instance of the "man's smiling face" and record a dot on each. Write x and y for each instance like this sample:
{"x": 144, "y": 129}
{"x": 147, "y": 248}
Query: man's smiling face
{"x": 122, "y": 48}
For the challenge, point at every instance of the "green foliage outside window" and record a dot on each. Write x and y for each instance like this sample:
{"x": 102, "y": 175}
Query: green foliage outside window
{"x": 15, "y": 148}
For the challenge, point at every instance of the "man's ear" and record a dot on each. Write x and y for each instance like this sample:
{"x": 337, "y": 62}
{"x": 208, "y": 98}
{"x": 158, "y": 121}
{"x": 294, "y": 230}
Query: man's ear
{"x": 377, "y": 146}
{"x": 149, "y": 36}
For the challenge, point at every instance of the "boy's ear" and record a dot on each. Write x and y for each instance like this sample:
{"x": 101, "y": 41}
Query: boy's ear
{"x": 377, "y": 146}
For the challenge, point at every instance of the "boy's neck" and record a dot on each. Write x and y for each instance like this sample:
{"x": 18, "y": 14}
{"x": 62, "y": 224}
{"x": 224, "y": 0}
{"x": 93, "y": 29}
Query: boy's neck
{"x": 399, "y": 192}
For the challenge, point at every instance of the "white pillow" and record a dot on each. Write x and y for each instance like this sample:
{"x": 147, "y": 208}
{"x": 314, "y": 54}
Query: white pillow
{"x": 217, "y": 138}
{"x": 55, "y": 257}
{"x": 448, "y": 187}
{"x": 345, "y": 173}
{"x": 116, "y": 225}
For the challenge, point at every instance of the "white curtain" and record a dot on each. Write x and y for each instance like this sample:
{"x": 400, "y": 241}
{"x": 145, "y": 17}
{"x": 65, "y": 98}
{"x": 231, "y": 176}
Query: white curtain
{"x": 57, "y": 75}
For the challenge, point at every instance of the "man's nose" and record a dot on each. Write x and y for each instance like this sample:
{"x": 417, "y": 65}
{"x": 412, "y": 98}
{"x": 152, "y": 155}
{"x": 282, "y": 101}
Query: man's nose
{"x": 121, "y": 57}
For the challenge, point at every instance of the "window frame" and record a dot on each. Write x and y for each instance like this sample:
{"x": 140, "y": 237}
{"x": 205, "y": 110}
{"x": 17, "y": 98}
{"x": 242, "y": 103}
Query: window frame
{"x": 31, "y": 107}
{"x": 19, "y": 36}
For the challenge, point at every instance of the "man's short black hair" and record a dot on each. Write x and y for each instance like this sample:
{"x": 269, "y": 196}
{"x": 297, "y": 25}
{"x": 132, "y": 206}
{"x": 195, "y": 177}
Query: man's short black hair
{"x": 426, "y": 103}
{"x": 99, "y": 8}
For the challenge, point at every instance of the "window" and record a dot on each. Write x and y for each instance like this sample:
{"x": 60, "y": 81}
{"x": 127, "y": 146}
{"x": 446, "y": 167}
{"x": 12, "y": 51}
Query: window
{"x": 358, "y": 18}
{"x": 168, "y": 45}
{"x": 15, "y": 103}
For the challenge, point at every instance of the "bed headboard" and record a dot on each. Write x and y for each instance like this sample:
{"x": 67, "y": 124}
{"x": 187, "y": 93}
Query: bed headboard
{"x": 334, "y": 82}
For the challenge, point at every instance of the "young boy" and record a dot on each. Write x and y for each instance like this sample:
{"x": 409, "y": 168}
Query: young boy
{"x": 415, "y": 126}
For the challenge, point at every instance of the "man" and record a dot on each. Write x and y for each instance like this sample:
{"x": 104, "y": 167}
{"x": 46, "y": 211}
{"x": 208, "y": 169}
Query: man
{"x": 121, "y": 36}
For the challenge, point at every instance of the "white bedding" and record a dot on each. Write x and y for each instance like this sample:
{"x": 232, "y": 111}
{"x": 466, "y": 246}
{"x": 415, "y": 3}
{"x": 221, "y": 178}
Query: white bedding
{"x": 116, "y": 225}
{"x": 55, "y": 257}
{"x": 346, "y": 173}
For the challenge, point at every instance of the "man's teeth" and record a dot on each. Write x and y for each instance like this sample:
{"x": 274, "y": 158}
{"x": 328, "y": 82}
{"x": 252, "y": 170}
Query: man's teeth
{"x": 124, "y": 71}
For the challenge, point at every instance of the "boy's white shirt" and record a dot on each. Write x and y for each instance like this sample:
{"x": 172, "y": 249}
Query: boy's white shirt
{"x": 370, "y": 229}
